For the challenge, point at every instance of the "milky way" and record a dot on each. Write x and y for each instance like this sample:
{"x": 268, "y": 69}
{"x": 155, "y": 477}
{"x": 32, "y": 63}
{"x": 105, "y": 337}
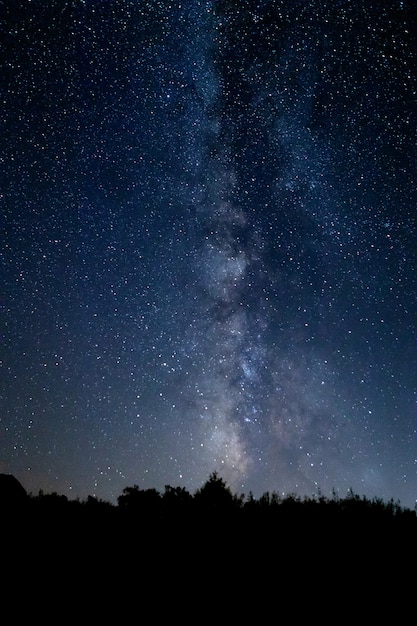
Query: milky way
{"x": 209, "y": 246}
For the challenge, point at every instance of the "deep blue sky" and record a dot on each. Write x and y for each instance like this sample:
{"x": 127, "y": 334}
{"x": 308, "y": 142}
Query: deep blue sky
{"x": 208, "y": 244}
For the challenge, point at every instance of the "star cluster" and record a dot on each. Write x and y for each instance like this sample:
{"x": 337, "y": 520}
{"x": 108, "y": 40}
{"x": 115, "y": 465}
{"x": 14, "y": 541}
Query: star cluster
{"x": 209, "y": 245}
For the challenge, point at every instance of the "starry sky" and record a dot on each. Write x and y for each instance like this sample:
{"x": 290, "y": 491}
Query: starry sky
{"x": 208, "y": 245}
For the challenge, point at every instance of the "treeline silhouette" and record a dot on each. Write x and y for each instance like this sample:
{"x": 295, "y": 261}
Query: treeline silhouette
{"x": 154, "y": 536}
{"x": 212, "y": 505}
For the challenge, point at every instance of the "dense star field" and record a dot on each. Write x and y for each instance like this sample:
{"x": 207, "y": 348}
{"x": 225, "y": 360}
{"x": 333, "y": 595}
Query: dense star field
{"x": 209, "y": 245}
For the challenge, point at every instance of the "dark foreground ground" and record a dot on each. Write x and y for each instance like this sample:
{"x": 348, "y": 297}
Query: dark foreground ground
{"x": 211, "y": 565}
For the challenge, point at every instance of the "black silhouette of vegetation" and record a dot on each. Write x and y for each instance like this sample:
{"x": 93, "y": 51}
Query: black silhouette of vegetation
{"x": 148, "y": 528}
{"x": 211, "y": 552}
{"x": 213, "y": 501}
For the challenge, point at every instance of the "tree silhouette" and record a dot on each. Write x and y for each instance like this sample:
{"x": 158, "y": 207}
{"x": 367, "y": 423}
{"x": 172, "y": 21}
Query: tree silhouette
{"x": 144, "y": 500}
{"x": 215, "y": 494}
{"x": 176, "y": 499}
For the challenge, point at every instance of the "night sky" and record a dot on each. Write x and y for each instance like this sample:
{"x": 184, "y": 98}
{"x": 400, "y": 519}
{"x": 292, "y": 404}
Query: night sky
{"x": 209, "y": 246}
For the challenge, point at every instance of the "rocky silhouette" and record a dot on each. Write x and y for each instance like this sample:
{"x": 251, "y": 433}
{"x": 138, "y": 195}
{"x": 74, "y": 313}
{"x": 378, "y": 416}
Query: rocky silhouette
{"x": 12, "y": 491}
